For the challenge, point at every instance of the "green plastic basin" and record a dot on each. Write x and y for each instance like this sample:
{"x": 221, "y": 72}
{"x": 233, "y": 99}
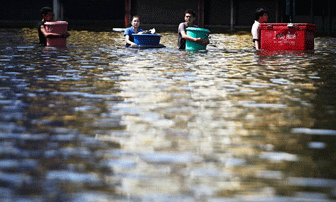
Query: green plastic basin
{"x": 196, "y": 32}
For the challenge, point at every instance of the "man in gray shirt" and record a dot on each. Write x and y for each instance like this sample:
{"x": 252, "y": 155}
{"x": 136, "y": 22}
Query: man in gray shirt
{"x": 189, "y": 18}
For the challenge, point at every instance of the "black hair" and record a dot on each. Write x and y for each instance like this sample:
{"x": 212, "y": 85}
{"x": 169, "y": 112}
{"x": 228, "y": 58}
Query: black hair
{"x": 45, "y": 10}
{"x": 135, "y": 16}
{"x": 260, "y": 12}
{"x": 191, "y": 12}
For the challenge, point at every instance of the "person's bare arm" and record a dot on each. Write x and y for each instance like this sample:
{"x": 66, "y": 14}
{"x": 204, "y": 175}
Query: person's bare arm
{"x": 256, "y": 44}
{"x": 128, "y": 41}
{"x": 197, "y": 40}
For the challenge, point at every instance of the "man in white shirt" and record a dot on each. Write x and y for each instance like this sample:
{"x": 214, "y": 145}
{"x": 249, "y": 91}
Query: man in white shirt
{"x": 261, "y": 16}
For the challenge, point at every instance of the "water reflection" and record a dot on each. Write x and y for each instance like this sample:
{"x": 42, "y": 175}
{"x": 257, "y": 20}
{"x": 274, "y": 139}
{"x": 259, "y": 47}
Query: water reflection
{"x": 95, "y": 121}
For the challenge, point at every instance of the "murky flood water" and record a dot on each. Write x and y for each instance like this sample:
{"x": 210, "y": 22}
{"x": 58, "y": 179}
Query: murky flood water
{"x": 98, "y": 122}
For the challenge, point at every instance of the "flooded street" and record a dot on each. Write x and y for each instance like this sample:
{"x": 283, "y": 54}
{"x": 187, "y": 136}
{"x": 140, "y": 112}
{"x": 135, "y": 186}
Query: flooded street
{"x": 98, "y": 122}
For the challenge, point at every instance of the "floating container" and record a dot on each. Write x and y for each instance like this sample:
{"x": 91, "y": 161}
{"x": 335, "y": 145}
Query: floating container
{"x": 283, "y": 36}
{"x": 58, "y": 27}
{"x": 147, "y": 39}
{"x": 196, "y": 33}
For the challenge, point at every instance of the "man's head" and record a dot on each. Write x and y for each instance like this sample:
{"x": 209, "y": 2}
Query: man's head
{"x": 189, "y": 16}
{"x": 47, "y": 14}
{"x": 135, "y": 21}
{"x": 261, "y": 15}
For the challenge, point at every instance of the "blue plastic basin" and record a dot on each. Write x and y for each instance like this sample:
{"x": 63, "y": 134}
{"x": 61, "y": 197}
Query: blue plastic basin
{"x": 147, "y": 39}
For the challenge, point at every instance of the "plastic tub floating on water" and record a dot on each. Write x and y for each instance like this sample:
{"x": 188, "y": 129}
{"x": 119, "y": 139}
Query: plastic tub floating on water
{"x": 283, "y": 36}
{"x": 196, "y": 33}
{"x": 58, "y": 27}
{"x": 147, "y": 40}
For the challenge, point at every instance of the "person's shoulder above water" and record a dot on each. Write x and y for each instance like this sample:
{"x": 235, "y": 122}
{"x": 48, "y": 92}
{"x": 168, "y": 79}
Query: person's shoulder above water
{"x": 254, "y": 30}
{"x": 189, "y": 17}
{"x": 128, "y": 30}
{"x": 39, "y": 24}
{"x": 182, "y": 25}
{"x": 128, "y": 34}
{"x": 47, "y": 16}
{"x": 261, "y": 16}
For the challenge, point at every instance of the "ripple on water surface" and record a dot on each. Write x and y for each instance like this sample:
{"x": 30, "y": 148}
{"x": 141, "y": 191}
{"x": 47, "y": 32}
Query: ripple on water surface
{"x": 96, "y": 121}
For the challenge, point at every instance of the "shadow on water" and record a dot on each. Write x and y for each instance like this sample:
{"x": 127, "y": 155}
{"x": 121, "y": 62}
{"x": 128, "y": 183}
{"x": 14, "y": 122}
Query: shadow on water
{"x": 95, "y": 121}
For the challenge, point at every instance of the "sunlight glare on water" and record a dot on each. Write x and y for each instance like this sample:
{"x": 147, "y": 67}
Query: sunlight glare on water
{"x": 98, "y": 122}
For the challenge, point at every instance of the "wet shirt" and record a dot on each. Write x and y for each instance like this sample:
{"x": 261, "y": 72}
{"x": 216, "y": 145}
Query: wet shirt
{"x": 130, "y": 31}
{"x": 255, "y": 30}
{"x": 181, "y": 43}
{"x": 43, "y": 39}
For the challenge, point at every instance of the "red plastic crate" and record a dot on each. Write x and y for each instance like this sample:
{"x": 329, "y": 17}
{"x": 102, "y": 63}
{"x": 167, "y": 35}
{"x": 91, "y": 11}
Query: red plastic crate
{"x": 58, "y": 27}
{"x": 283, "y": 36}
